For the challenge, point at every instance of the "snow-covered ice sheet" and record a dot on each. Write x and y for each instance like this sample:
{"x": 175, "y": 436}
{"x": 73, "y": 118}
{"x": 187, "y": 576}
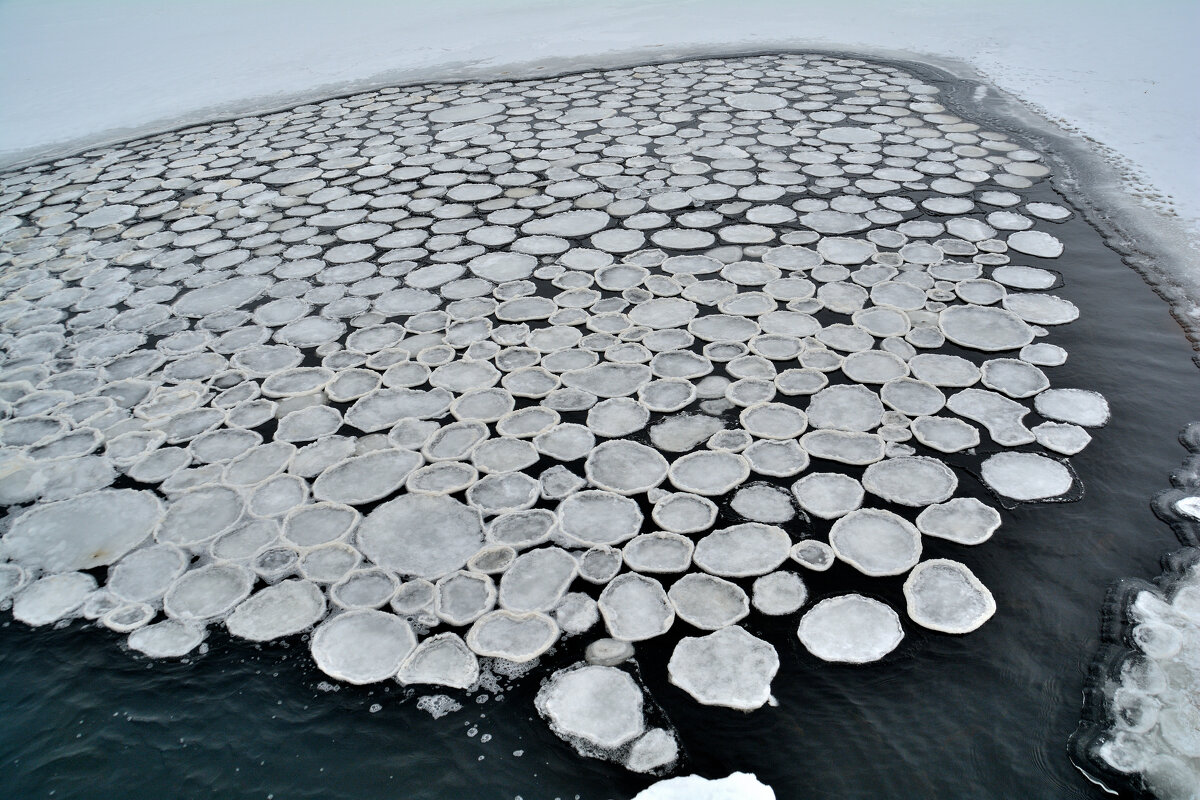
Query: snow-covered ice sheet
{"x": 1119, "y": 73}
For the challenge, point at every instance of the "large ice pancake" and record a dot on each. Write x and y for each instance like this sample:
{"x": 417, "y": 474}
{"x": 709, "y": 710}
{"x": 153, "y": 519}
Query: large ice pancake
{"x": 422, "y": 536}
{"x": 728, "y": 668}
{"x": 600, "y": 705}
{"x": 87, "y": 531}
{"x": 362, "y": 646}
{"x": 850, "y": 628}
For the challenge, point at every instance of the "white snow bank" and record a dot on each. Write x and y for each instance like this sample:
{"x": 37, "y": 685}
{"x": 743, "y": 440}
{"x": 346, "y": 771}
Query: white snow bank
{"x": 738, "y": 786}
{"x": 73, "y": 72}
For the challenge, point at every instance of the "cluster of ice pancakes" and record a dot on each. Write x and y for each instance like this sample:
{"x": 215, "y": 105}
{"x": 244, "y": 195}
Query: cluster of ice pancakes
{"x": 450, "y": 372}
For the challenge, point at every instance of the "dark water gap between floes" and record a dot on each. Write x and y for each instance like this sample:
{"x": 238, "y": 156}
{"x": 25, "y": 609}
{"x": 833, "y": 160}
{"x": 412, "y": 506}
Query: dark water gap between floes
{"x": 984, "y": 715}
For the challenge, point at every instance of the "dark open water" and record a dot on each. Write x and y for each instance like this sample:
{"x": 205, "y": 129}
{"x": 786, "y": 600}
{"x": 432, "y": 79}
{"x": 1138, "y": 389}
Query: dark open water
{"x": 985, "y": 715}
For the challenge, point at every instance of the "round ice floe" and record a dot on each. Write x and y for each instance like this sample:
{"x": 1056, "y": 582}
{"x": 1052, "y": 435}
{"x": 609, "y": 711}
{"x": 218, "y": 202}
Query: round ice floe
{"x": 1062, "y": 437}
{"x": 362, "y": 479}
{"x": 463, "y": 597}
{"x": 276, "y": 611}
{"x": 763, "y": 502}
{"x": 207, "y": 593}
{"x": 984, "y": 328}
{"x": 364, "y": 588}
{"x": 87, "y": 531}
{"x": 537, "y": 580}
{"x": 1076, "y": 406}
{"x": 363, "y": 646}
{"x": 617, "y": 417}
{"x": 727, "y": 668}
{"x": 145, "y": 574}
{"x": 1013, "y": 377}
{"x": 847, "y": 447}
{"x": 442, "y": 660}
{"x": 751, "y": 548}
{"x": 845, "y": 408}
{"x": 1035, "y": 243}
{"x": 964, "y": 520}
{"x": 828, "y": 495}
{"x": 684, "y": 513}
{"x": 511, "y": 636}
{"x": 599, "y": 517}
{"x": 773, "y": 421}
{"x": 708, "y": 602}
{"x": 850, "y": 629}
{"x": 910, "y": 481}
{"x": 53, "y": 598}
{"x": 1026, "y": 476}
{"x": 709, "y": 472}
{"x": 420, "y": 535}
{"x": 200, "y": 514}
{"x": 944, "y": 595}
{"x": 625, "y": 467}
{"x": 658, "y": 552}
{"x": 779, "y": 593}
{"x": 1019, "y": 277}
{"x": 602, "y": 706}
{"x": 167, "y": 639}
{"x": 635, "y": 608}
{"x": 876, "y": 542}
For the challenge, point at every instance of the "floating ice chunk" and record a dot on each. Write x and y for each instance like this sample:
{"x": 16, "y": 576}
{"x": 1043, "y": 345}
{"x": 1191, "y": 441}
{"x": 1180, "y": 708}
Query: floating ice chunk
{"x": 635, "y": 608}
{"x": 847, "y": 447}
{"x": 658, "y": 552}
{"x": 87, "y": 531}
{"x": 910, "y": 481}
{"x": 521, "y": 529}
{"x": 1077, "y": 406}
{"x": 774, "y": 421}
{"x": 876, "y": 542}
{"x": 311, "y": 460}
{"x": 515, "y": 637}
{"x": 442, "y": 660}
{"x": 599, "y": 705}
{"x": 199, "y": 515}
{"x": 383, "y": 408}
{"x": 1035, "y": 243}
{"x": 751, "y": 548}
{"x": 655, "y": 749}
{"x": 364, "y": 588}
{"x": 363, "y": 646}
{"x": 1062, "y": 437}
{"x": 625, "y": 467}
{"x": 1018, "y": 277}
{"x": 144, "y": 575}
{"x": 845, "y": 408}
{"x": 664, "y": 312}
{"x": 850, "y": 629}
{"x": 426, "y": 536}
{"x": 454, "y": 441}
{"x": 944, "y": 370}
{"x": 1001, "y": 416}
{"x": 362, "y": 479}
{"x": 444, "y": 477}
{"x": 707, "y": 602}
{"x": 775, "y": 458}
{"x": 503, "y": 454}
{"x": 1043, "y": 354}
{"x": 207, "y": 593}
{"x": 576, "y": 613}
{"x": 276, "y": 611}
{"x": 984, "y": 328}
{"x": 463, "y": 597}
{"x": 828, "y": 495}
{"x": 727, "y": 668}
{"x": 609, "y": 380}
{"x": 537, "y": 580}
{"x": 709, "y": 472}
{"x": 944, "y": 595}
{"x": 738, "y": 786}
{"x": 779, "y": 593}
{"x": 1026, "y": 476}
{"x": 964, "y": 520}
{"x": 1013, "y": 377}
{"x": 763, "y": 502}
{"x": 617, "y": 417}
{"x": 1042, "y": 309}
{"x": 53, "y": 598}
{"x": 912, "y": 397}
{"x": 683, "y": 432}
{"x": 684, "y": 513}
{"x": 170, "y": 638}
